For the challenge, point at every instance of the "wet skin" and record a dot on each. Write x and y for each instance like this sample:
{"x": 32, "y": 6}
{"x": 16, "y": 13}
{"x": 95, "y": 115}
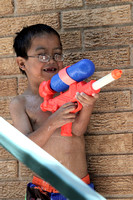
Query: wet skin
{"x": 44, "y": 127}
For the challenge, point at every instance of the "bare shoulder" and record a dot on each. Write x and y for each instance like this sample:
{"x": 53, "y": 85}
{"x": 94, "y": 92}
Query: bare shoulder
{"x": 18, "y": 114}
{"x": 17, "y": 102}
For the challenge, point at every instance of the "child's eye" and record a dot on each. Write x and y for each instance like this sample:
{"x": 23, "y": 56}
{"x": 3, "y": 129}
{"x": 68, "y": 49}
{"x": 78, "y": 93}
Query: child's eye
{"x": 58, "y": 57}
{"x": 45, "y": 57}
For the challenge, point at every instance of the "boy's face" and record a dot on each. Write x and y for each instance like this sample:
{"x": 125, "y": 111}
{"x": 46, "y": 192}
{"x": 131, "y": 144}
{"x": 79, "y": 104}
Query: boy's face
{"x": 47, "y": 44}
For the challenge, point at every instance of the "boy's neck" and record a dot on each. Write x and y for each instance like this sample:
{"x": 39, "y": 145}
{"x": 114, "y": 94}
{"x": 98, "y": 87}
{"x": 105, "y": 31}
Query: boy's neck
{"x": 33, "y": 89}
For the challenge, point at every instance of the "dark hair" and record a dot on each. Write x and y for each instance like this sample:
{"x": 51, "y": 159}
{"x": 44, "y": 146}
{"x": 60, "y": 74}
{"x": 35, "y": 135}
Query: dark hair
{"x": 22, "y": 41}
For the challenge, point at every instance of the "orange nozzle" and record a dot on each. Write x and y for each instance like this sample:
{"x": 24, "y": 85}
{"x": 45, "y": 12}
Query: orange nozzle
{"x": 116, "y": 73}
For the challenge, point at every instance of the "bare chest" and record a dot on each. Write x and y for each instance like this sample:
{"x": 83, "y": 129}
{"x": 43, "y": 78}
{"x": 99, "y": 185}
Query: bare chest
{"x": 35, "y": 114}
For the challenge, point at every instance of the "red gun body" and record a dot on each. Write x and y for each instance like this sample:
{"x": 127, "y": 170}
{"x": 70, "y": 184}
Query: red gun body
{"x": 53, "y": 104}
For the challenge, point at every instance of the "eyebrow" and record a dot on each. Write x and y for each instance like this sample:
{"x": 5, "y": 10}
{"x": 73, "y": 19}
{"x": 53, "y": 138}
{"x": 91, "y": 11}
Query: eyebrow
{"x": 40, "y": 48}
{"x": 43, "y": 48}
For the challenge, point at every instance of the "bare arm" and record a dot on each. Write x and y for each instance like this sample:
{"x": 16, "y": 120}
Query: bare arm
{"x": 19, "y": 117}
{"x": 83, "y": 118}
{"x": 40, "y": 136}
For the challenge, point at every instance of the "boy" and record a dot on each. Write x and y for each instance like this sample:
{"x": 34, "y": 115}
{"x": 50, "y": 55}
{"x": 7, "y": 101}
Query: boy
{"x": 39, "y": 57}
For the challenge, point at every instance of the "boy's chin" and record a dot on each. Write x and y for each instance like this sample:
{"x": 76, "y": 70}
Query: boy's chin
{"x": 47, "y": 75}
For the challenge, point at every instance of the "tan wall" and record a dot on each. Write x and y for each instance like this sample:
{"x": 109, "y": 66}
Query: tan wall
{"x": 101, "y": 31}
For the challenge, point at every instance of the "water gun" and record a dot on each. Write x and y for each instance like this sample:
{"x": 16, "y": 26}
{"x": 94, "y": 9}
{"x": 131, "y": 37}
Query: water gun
{"x": 72, "y": 77}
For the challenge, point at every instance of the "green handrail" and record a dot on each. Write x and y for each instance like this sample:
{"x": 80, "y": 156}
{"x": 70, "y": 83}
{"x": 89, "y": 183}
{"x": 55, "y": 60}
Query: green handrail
{"x": 44, "y": 165}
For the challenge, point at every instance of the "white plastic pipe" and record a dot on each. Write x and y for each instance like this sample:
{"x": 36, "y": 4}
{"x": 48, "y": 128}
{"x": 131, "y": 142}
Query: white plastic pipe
{"x": 115, "y": 74}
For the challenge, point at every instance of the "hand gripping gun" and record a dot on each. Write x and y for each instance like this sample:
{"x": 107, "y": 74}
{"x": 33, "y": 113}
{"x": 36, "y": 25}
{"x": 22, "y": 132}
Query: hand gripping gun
{"x": 72, "y": 77}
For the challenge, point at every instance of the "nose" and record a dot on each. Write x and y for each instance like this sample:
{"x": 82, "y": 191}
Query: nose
{"x": 51, "y": 59}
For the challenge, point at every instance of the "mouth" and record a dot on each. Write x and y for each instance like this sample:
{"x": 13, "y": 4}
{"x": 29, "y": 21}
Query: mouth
{"x": 50, "y": 70}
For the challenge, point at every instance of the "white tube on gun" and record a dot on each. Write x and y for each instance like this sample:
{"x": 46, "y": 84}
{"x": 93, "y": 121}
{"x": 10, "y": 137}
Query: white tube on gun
{"x": 115, "y": 74}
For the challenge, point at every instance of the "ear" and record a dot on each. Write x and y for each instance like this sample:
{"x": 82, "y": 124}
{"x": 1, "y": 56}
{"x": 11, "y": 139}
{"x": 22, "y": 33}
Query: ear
{"x": 21, "y": 63}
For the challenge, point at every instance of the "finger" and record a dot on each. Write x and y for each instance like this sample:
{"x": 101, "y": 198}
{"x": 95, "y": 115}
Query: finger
{"x": 70, "y": 116}
{"x": 68, "y": 108}
{"x": 82, "y": 97}
{"x": 96, "y": 96}
{"x": 68, "y": 104}
{"x": 85, "y": 96}
{"x": 68, "y": 120}
{"x": 85, "y": 99}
